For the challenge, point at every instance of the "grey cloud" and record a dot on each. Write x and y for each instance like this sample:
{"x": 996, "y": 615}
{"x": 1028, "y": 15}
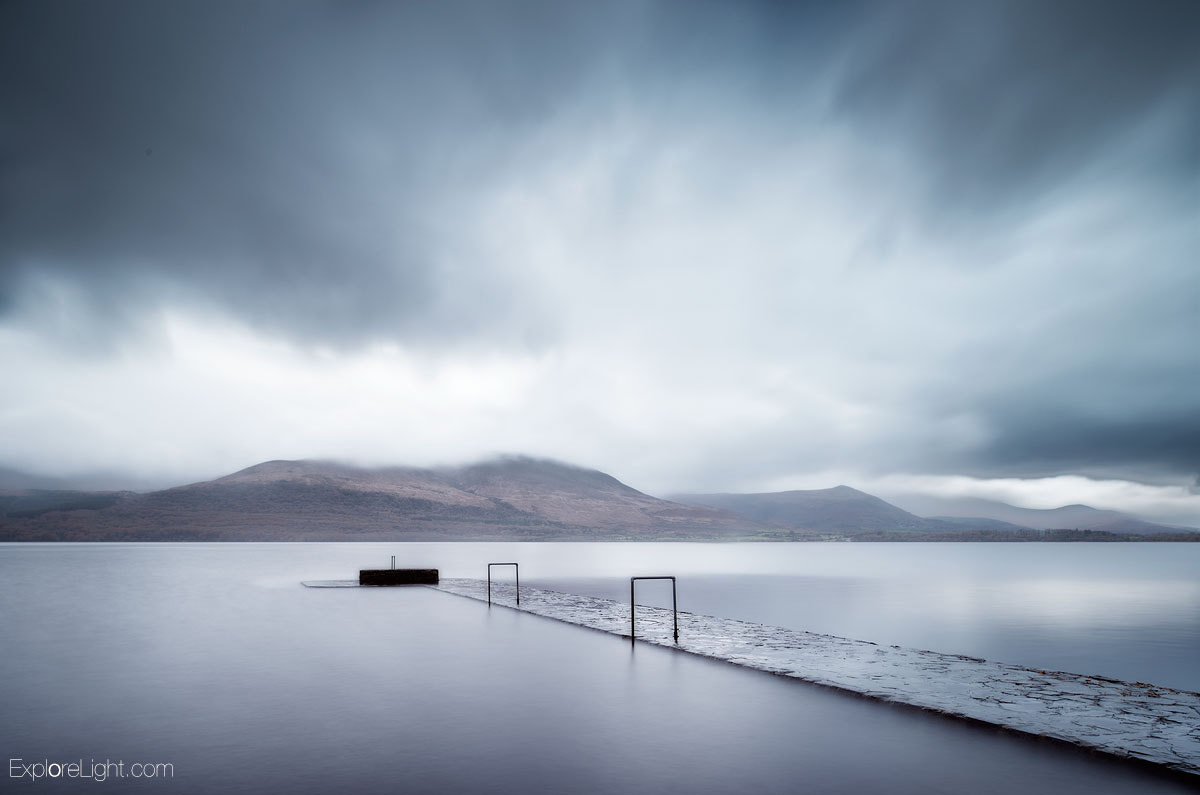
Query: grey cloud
{"x": 1005, "y": 100}
{"x": 317, "y": 170}
{"x": 1051, "y": 442}
{"x": 301, "y": 165}
{"x": 308, "y": 167}
{"x": 298, "y": 165}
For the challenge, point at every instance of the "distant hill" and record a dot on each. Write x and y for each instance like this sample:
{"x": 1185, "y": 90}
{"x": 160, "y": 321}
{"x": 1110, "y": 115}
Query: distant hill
{"x": 505, "y": 499}
{"x": 28, "y": 503}
{"x": 1081, "y": 517}
{"x": 838, "y": 510}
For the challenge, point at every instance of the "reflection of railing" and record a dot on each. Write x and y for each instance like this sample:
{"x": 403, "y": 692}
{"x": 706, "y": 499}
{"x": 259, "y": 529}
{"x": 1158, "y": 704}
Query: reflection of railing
{"x": 633, "y": 605}
{"x": 518, "y": 570}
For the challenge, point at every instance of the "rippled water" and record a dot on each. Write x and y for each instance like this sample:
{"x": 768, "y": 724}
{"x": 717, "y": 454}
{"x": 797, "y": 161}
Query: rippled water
{"x": 213, "y": 659}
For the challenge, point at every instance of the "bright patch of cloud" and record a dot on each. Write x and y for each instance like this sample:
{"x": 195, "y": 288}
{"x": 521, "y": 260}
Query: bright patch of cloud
{"x": 1169, "y": 503}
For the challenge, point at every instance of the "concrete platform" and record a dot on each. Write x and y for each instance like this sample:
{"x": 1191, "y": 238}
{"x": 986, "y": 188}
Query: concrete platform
{"x": 398, "y": 577}
{"x": 1131, "y": 720}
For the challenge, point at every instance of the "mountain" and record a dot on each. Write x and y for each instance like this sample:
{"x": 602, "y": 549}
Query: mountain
{"x": 505, "y": 499}
{"x": 840, "y": 509}
{"x": 28, "y": 503}
{"x": 837, "y": 510}
{"x": 1082, "y": 517}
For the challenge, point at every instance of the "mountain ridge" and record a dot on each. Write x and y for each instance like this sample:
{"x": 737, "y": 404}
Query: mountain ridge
{"x": 841, "y": 509}
{"x": 504, "y": 498}
{"x": 1075, "y": 515}
{"x": 508, "y": 498}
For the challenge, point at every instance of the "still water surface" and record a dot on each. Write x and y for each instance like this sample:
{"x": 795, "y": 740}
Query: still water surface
{"x": 1125, "y": 611}
{"x": 212, "y": 658}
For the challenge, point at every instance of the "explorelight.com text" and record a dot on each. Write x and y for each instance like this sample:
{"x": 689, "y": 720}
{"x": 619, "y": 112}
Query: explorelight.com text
{"x": 96, "y": 771}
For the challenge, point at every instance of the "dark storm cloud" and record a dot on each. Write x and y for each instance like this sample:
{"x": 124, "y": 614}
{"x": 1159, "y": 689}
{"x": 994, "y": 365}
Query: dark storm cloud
{"x": 1119, "y": 417}
{"x": 324, "y": 172}
{"x": 299, "y": 165}
{"x": 1004, "y": 100}
{"x": 1051, "y": 443}
{"x": 1099, "y": 376}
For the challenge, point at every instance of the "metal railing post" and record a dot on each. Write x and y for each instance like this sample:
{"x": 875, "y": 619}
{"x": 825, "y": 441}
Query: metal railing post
{"x": 633, "y": 606}
{"x": 518, "y": 571}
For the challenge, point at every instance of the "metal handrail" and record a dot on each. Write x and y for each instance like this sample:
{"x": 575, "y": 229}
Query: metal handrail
{"x": 633, "y": 605}
{"x": 518, "y": 568}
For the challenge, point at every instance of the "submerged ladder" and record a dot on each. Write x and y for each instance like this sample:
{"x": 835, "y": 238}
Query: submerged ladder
{"x": 518, "y": 571}
{"x": 632, "y": 597}
{"x": 633, "y": 605}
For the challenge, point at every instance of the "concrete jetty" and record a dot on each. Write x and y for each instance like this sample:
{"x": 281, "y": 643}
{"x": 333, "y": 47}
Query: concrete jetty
{"x": 1131, "y": 720}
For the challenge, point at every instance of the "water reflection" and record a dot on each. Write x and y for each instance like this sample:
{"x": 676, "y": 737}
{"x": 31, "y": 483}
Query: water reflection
{"x": 203, "y": 657}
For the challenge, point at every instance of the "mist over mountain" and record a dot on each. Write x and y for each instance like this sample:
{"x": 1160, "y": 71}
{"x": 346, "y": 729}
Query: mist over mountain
{"x": 841, "y": 509}
{"x": 1067, "y": 516}
{"x": 512, "y": 498}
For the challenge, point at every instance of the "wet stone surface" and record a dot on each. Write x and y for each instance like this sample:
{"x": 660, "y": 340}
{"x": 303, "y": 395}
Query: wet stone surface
{"x": 1126, "y": 719}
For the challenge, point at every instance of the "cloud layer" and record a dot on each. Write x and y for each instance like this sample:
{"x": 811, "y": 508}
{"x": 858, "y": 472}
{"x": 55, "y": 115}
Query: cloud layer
{"x": 700, "y": 245}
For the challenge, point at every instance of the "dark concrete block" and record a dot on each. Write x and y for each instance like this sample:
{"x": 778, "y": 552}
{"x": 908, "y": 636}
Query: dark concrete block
{"x": 398, "y": 577}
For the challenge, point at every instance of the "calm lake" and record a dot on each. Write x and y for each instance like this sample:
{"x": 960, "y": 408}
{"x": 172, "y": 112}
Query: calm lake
{"x": 213, "y": 659}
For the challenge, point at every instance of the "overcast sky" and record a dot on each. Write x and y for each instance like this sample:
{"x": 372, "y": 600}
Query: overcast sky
{"x": 946, "y": 247}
